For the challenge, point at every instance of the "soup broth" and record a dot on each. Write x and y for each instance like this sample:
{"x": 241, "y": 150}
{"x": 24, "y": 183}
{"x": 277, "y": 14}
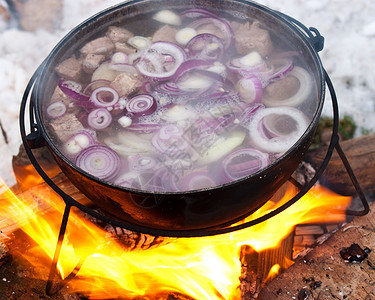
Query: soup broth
{"x": 190, "y": 100}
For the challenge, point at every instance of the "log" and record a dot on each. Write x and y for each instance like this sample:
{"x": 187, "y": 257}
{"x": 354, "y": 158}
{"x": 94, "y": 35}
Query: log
{"x": 324, "y": 274}
{"x": 361, "y": 156}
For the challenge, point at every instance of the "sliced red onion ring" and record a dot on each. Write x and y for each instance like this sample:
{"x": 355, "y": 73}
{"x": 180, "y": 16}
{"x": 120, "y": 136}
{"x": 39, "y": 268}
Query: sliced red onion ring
{"x": 104, "y": 97}
{"x": 250, "y": 89}
{"x": 205, "y": 46}
{"x": 291, "y": 124}
{"x": 303, "y": 92}
{"x": 281, "y": 67}
{"x": 125, "y": 68}
{"x": 56, "y": 109}
{"x": 141, "y": 105}
{"x": 94, "y": 85}
{"x": 169, "y": 140}
{"x": 76, "y": 143}
{"x": 143, "y": 127}
{"x": 170, "y": 88}
{"x": 221, "y": 24}
{"x": 72, "y": 89}
{"x": 99, "y": 161}
{"x": 248, "y": 113}
{"x": 244, "y": 162}
{"x": 196, "y": 180}
{"x": 197, "y": 13}
{"x": 99, "y": 118}
{"x": 142, "y": 162}
{"x": 161, "y": 60}
{"x": 189, "y": 65}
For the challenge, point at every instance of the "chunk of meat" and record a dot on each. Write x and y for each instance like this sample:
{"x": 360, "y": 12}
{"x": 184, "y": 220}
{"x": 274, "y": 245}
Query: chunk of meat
{"x": 126, "y": 84}
{"x": 70, "y": 69}
{"x": 251, "y": 37}
{"x": 165, "y": 33}
{"x": 118, "y": 34}
{"x": 66, "y": 126}
{"x": 282, "y": 89}
{"x": 102, "y": 45}
{"x": 91, "y": 62}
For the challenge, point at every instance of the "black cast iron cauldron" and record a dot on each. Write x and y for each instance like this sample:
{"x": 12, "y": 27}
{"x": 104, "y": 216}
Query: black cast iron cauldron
{"x": 206, "y": 208}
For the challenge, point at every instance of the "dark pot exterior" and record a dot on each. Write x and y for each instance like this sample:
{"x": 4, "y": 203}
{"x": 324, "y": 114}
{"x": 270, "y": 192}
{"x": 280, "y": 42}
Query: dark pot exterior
{"x": 214, "y": 207}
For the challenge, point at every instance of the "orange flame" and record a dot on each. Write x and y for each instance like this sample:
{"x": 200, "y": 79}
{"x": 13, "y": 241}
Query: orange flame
{"x": 202, "y": 268}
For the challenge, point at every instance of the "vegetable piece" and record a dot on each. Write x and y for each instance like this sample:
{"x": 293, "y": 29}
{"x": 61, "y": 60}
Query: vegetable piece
{"x": 197, "y": 12}
{"x": 184, "y": 35}
{"x": 79, "y": 141}
{"x": 141, "y": 105}
{"x": 104, "y": 97}
{"x": 139, "y": 42}
{"x": 56, "y": 109}
{"x": 244, "y": 162}
{"x": 125, "y": 121}
{"x": 99, "y": 118}
{"x": 161, "y": 60}
{"x": 142, "y": 163}
{"x": 196, "y": 180}
{"x": 206, "y": 46}
{"x": 301, "y": 95}
{"x": 119, "y": 58}
{"x": 223, "y": 146}
{"x": 167, "y": 17}
{"x": 169, "y": 140}
{"x": 72, "y": 89}
{"x": 99, "y": 161}
{"x": 277, "y": 129}
{"x": 250, "y": 89}
{"x": 224, "y": 30}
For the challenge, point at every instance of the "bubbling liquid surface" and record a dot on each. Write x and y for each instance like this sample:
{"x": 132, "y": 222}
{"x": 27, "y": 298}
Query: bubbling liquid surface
{"x": 193, "y": 101}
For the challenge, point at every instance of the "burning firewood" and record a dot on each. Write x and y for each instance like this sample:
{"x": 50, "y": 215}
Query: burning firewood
{"x": 325, "y": 274}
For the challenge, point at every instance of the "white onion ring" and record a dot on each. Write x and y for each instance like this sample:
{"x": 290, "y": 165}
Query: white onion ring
{"x": 279, "y": 144}
{"x": 305, "y": 87}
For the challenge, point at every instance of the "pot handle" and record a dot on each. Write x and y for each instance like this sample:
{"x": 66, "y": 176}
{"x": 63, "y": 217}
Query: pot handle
{"x": 313, "y": 35}
{"x": 35, "y": 138}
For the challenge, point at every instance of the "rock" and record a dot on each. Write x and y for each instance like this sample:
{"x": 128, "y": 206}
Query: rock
{"x": 36, "y": 14}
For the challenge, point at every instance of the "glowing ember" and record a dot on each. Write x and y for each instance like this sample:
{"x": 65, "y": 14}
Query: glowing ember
{"x": 202, "y": 268}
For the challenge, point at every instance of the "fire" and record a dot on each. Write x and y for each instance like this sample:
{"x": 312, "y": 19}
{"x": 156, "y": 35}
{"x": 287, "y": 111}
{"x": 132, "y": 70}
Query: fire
{"x": 202, "y": 268}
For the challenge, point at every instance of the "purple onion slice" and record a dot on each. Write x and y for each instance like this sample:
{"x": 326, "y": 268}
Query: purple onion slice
{"x": 72, "y": 89}
{"x": 244, "y": 162}
{"x": 99, "y": 118}
{"x": 222, "y": 26}
{"x": 161, "y": 60}
{"x": 141, "y": 105}
{"x": 290, "y": 122}
{"x": 205, "y": 46}
{"x": 99, "y": 161}
{"x": 197, "y": 13}
{"x": 56, "y": 109}
{"x": 196, "y": 180}
{"x": 142, "y": 162}
{"x": 104, "y": 97}
{"x": 79, "y": 141}
{"x": 302, "y": 94}
{"x": 250, "y": 89}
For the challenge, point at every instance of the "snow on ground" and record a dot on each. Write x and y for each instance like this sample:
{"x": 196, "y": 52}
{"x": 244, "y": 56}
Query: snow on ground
{"x": 349, "y": 31}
